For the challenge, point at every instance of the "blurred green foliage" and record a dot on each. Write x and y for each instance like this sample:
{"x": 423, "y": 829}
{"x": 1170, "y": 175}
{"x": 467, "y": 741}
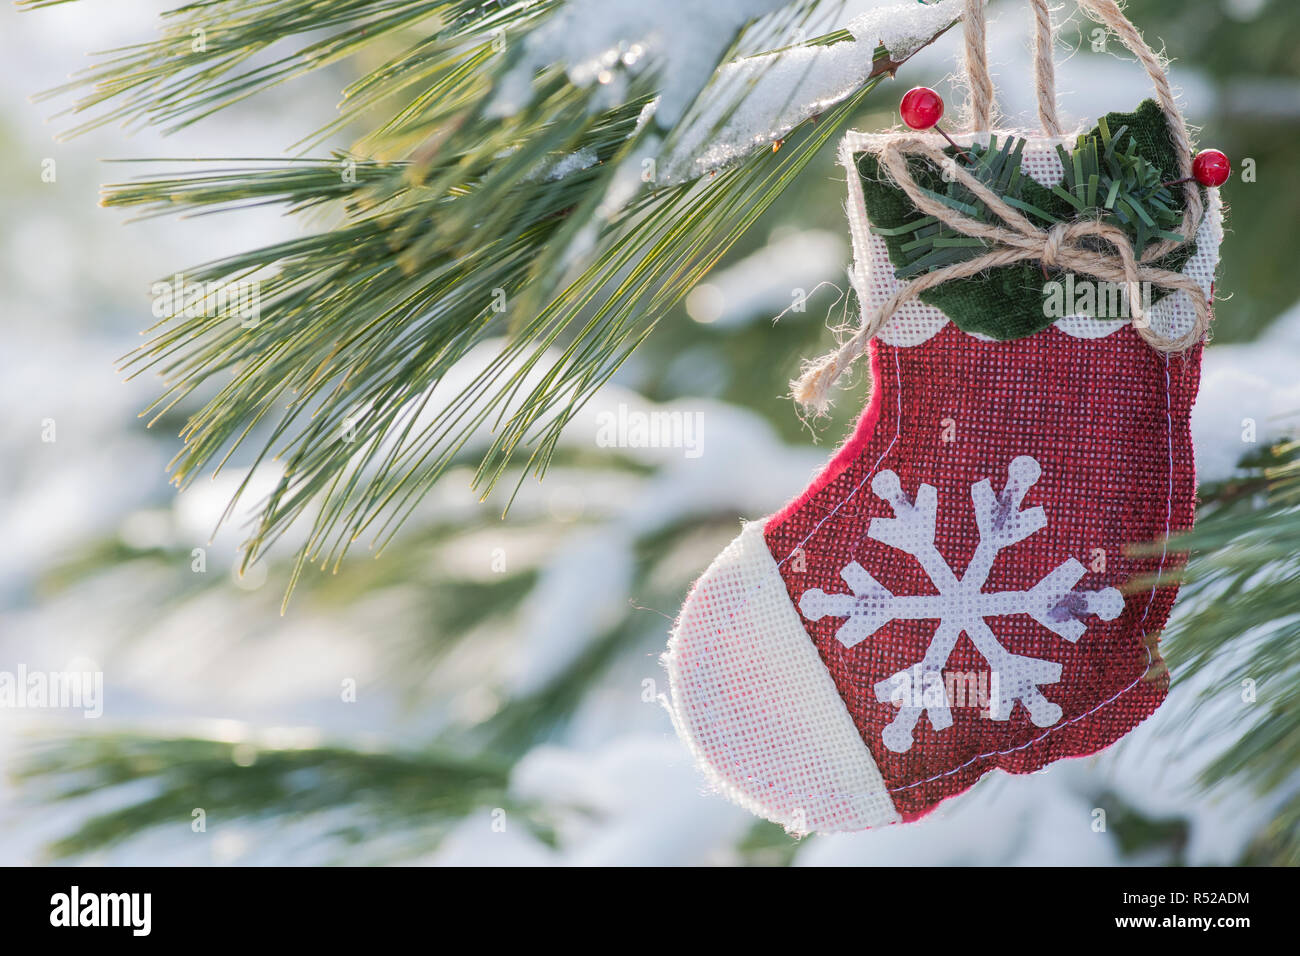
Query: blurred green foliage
{"x": 750, "y": 365}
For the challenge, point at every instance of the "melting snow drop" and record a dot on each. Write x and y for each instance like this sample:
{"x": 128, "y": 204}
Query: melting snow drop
{"x": 961, "y": 606}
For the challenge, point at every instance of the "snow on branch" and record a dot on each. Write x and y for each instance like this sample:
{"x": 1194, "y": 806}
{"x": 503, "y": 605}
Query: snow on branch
{"x": 713, "y": 117}
{"x": 758, "y": 100}
{"x": 604, "y": 42}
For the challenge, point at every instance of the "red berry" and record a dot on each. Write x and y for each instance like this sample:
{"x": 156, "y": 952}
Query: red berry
{"x": 1211, "y": 168}
{"x": 921, "y": 108}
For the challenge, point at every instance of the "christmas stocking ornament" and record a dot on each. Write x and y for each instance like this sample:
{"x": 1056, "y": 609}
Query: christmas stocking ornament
{"x": 956, "y": 591}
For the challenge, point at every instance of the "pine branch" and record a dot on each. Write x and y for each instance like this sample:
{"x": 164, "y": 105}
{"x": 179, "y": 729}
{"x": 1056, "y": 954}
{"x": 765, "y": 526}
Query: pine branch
{"x": 1239, "y": 622}
{"x": 543, "y": 211}
{"x": 347, "y": 789}
{"x": 200, "y": 64}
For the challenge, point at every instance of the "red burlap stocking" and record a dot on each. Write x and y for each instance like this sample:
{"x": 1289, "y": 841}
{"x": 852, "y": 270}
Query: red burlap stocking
{"x": 958, "y": 569}
{"x": 955, "y": 593}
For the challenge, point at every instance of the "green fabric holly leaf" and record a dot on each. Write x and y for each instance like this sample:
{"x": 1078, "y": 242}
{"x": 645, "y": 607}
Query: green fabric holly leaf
{"x": 1115, "y": 172}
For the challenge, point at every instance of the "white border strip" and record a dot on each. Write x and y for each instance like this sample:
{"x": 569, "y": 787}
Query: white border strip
{"x": 758, "y": 709}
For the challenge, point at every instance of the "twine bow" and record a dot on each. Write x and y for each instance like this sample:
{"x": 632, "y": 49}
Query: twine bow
{"x": 1080, "y": 246}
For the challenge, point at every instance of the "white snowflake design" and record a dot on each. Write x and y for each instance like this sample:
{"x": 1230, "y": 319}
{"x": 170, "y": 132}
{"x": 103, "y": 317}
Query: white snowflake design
{"x": 961, "y": 606}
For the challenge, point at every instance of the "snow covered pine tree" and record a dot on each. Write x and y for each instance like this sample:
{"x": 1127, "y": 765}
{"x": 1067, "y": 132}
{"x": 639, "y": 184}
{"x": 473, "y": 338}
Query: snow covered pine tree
{"x": 808, "y": 674}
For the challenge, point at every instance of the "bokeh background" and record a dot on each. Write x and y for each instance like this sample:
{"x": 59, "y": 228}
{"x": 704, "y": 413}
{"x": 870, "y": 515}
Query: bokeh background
{"x": 485, "y": 692}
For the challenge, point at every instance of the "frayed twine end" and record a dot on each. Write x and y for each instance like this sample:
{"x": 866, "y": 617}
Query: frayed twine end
{"x": 812, "y": 389}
